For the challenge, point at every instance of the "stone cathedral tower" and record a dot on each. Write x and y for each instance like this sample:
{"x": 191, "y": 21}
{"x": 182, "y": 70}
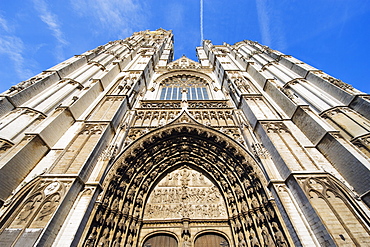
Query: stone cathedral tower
{"x": 121, "y": 146}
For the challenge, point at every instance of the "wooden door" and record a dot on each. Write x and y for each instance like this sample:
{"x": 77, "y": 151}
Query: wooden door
{"x": 211, "y": 240}
{"x": 161, "y": 240}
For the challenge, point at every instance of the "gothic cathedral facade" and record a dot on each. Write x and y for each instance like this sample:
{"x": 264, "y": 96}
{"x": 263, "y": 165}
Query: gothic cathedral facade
{"x": 122, "y": 146}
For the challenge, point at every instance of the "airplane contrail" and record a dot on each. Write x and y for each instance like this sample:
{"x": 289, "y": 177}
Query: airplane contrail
{"x": 201, "y": 22}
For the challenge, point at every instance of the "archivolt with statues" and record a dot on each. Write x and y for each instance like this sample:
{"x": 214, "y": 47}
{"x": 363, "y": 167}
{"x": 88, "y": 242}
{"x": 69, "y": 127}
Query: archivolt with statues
{"x": 251, "y": 214}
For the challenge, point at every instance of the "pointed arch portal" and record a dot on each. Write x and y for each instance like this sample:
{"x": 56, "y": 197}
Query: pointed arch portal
{"x": 185, "y": 178}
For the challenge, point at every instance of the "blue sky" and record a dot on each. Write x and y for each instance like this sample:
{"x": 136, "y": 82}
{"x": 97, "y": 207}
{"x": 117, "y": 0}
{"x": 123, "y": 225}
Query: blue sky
{"x": 331, "y": 35}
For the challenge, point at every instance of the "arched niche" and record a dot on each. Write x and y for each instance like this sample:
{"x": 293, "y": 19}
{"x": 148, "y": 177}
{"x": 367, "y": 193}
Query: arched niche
{"x": 251, "y": 215}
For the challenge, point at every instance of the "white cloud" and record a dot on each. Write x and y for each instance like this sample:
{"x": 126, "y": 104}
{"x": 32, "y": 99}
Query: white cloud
{"x": 272, "y": 35}
{"x": 4, "y": 24}
{"x": 13, "y": 47}
{"x": 120, "y": 17}
{"x": 51, "y": 21}
{"x": 264, "y": 22}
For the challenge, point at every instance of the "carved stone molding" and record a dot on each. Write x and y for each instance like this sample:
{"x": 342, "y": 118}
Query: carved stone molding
{"x": 101, "y": 66}
{"x": 25, "y": 84}
{"x": 275, "y": 127}
{"x": 5, "y": 145}
{"x": 366, "y": 97}
{"x": 109, "y": 153}
{"x": 364, "y": 140}
{"x": 184, "y": 63}
{"x": 337, "y": 82}
{"x": 154, "y": 118}
{"x": 92, "y": 129}
{"x": 260, "y": 151}
{"x": 135, "y": 133}
{"x": 332, "y": 112}
{"x": 363, "y": 143}
{"x": 160, "y": 104}
{"x": 175, "y": 76}
{"x": 264, "y": 67}
{"x": 233, "y": 133}
{"x": 208, "y": 104}
{"x": 288, "y": 92}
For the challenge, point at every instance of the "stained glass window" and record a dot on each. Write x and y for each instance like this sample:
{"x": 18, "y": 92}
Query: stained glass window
{"x": 194, "y": 88}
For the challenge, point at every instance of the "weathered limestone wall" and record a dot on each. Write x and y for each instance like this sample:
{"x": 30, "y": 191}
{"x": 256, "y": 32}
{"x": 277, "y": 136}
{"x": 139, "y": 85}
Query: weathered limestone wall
{"x": 60, "y": 122}
{"x": 298, "y": 118}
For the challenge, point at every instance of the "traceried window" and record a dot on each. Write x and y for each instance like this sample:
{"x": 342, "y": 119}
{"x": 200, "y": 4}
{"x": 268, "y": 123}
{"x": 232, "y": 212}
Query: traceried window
{"x": 171, "y": 92}
{"x": 191, "y": 87}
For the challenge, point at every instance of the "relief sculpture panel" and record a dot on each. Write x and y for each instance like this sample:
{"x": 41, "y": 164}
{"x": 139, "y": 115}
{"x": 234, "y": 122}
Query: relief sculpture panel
{"x": 185, "y": 193}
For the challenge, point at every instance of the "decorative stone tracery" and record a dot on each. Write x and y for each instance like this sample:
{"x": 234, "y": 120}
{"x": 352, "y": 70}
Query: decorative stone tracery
{"x": 35, "y": 209}
{"x": 334, "y": 206}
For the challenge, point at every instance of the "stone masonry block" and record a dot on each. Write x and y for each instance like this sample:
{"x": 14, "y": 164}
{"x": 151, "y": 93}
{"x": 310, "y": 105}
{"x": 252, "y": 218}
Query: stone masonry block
{"x": 354, "y": 167}
{"x": 54, "y": 126}
{"x": 311, "y": 125}
{"x": 5, "y": 106}
{"x": 85, "y": 100}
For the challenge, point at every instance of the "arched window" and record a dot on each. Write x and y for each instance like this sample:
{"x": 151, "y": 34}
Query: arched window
{"x": 180, "y": 86}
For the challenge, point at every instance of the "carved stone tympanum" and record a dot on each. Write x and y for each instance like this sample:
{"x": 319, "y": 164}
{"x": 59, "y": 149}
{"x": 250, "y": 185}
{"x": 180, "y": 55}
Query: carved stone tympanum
{"x": 185, "y": 193}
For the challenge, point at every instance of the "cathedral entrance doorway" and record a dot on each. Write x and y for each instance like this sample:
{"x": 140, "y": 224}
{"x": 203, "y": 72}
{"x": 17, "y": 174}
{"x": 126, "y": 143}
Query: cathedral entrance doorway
{"x": 186, "y": 185}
